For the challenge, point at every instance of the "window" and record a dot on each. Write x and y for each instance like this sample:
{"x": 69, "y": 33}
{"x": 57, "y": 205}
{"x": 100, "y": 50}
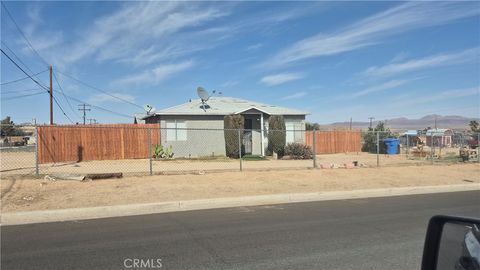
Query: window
{"x": 295, "y": 132}
{"x": 176, "y": 130}
{"x": 289, "y": 127}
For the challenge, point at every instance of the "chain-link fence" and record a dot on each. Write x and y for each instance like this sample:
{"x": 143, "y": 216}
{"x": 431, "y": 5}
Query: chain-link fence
{"x": 150, "y": 149}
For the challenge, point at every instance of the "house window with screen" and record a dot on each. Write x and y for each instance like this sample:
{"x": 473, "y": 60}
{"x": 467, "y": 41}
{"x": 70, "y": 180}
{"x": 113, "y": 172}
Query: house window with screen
{"x": 294, "y": 132}
{"x": 176, "y": 130}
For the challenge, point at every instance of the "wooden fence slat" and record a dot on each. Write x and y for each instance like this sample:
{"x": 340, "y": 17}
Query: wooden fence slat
{"x": 331, "y": 142}
{"x": 98, "y": 142}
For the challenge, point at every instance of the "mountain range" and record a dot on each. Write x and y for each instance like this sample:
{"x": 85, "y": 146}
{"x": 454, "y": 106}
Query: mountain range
{"x": 402, "y": 123}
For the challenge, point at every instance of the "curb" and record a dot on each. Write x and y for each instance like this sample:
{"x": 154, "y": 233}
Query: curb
{"x": 19, "y": 218}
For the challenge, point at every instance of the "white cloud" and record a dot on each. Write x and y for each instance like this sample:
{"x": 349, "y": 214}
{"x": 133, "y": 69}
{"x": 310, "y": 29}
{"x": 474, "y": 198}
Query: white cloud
{"x": 229, "y": 84}
{"x": 379, "y": 88}
{"x": 122, "y": 33}
{"x": 280, "y": 78}
{"x": 104, "y": 98}
{"x": 295, "y": 96}
{"x": 254, "y": 47}
{"x": 399, "y": 57}
{"x": 370, "y": 31}
{"x": 153, "y": 76}
{"x": 439, "y": 96}
{"x": 423, "y": 63}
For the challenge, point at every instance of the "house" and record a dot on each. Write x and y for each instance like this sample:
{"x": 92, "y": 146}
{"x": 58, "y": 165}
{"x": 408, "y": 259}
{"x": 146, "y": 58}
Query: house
{"x": 410, "y": 138}
{"x": 194, "y": 129}
{"x": 440, "y": 137}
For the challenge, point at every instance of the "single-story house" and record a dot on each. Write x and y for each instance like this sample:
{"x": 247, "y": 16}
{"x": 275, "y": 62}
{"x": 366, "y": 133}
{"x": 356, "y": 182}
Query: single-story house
{"x": 193, "y": 129}
{"x": 441, "y": 137}
{"x": 410, "y": 138}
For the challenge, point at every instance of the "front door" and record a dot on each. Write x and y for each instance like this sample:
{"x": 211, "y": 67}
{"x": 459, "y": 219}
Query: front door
{"x": 247, "y": 136}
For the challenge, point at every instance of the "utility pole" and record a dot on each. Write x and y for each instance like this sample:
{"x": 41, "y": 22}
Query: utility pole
{"x": 350, "y": 123}
{"x": 84, "y": 107}
{"x": 371, "y": 119}
{"x": 435, "y": 122}
{"x": 51, "y": 96}
{"x": 92, "y": 121}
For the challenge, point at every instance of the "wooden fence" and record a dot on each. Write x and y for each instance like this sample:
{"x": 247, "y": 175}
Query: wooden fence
{"x": 336, "y": 141}
{"x": 95, "y": 142}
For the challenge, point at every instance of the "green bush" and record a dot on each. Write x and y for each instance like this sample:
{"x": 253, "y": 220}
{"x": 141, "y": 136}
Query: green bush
{"x": 161, "y": 152}
{"x": 370, "y": 138}
{"x": 276, "y": 135}
{"x": 298, "y": 151}
{"x": 233, "y": 123}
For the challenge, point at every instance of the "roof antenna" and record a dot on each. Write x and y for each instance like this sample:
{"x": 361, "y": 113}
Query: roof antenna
{"x": 203, "y": 95}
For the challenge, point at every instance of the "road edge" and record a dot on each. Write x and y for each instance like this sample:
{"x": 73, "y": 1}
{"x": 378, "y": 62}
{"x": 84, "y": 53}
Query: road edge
{"x": 70, "y": 214}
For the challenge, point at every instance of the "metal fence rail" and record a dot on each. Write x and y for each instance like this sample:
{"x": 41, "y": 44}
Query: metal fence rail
{"x": 151, "y": 149}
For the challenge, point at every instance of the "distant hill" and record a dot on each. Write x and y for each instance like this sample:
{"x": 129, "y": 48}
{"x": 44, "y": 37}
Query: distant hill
{"x": 402, "y": 123}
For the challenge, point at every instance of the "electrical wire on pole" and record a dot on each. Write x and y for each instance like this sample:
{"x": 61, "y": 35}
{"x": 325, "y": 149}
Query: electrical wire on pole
{"x": 23, "y": 34}
{"x": 102, "y": 91}
{"x": 24, "y": 78}
{"x": 65, "y": 97}
{"x": 39, "y": 84}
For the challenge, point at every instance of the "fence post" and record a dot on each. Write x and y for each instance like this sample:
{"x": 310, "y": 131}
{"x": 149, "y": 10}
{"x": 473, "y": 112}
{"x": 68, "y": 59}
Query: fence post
{"x": 150, "y": 150}
{"x": 378, "y": 148}
{"x": 36, "y": 151}
{"x": 408, "y": 147}
{"x": 240, "y": 150}
{"x": 314, "y": 148}
{"x": 478, "y": 147}
{"x": 431, "y": 148}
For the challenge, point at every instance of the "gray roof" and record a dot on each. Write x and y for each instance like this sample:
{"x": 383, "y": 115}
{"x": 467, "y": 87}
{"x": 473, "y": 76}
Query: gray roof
{"x": 438, "y": 131}
{"x": 226, "y": 106}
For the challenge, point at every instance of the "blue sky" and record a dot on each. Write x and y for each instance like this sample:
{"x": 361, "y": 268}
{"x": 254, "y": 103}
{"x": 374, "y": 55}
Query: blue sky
{"x": 335, "y": 60}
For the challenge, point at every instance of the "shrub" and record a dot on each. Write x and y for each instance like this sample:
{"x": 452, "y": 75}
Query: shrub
{"x": 159, "y": 151}
{"x": 276, "y": 135}
{"x": 298, "y": 151}
{"x": 370, "y": 138}
{"x": 233, "y": 123}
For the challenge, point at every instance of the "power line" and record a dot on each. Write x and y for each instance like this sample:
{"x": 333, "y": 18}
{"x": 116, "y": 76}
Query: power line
{"x": 24, "y": 36}
{"x": 65, "y": 97}
{"x": 24, "y": 78}
{"x": 83, "y": 107}
{"x": 22, "y": 96}
{"x": 100, "y": 108}
{"x": 102, "y": 91}
{"x": 28, "y": 75}
{"x": 39, "y": 84}
{"x": 72, "y": 98}
{"x": 6, "y": 92}
{"x": 19, "y": 60}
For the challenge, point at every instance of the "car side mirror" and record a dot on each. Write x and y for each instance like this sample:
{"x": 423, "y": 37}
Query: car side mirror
{"x": 452, "y": 243}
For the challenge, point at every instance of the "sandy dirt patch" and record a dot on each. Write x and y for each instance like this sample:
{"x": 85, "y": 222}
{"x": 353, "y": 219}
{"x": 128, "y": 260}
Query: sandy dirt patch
{"x": 41, "y": 194}
{"x": 23, "y": 163}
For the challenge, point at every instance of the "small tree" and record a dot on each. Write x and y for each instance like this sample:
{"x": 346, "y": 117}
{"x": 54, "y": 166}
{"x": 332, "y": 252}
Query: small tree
{"x": 7, "y": 128}
{"x": 370, "y": 138}
{"x": 276, "y": 135}
{"x": 312, "y": 126}
{"x": 233, "y": 123}
{"x": 474, "y": 126}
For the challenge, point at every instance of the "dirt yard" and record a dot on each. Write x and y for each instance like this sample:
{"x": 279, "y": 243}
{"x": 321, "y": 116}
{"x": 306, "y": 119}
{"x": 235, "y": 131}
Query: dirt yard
{"x": 23, "y": 163}
{"x": 39, "y": 194}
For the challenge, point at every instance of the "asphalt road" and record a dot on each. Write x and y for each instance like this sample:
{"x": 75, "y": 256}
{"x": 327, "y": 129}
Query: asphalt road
{"x": 377, "y": 233}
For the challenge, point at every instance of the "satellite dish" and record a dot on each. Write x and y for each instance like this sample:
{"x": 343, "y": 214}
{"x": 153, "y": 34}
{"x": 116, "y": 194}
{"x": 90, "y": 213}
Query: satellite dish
{"x": 149, "y": 109}
{"x": 203, "y": 95}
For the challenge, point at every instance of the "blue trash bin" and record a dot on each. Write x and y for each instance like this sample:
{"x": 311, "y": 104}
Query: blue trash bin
{"x": 392, "y": 145}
